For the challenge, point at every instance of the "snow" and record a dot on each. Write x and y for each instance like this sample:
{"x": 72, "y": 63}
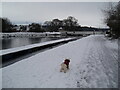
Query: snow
{"x": 0, "y": 79}
{"x": 94, "y": 64}
{"x": 22, "y": 33}
{"x": 29, "y": 34}
{"x": 12, "y": 50}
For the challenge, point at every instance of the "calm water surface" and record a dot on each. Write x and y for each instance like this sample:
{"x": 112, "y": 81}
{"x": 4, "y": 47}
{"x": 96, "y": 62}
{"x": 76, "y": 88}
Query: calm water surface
{"x": 19, "y": 41}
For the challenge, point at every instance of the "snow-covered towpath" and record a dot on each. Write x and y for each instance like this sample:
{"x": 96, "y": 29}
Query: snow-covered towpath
{"x": 94, "y": 64}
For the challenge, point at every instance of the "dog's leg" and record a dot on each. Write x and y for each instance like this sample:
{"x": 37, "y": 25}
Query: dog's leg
{"x": 62, "y": 67}
{"x": 61, "y": 70}
{"x": 65, "y": 70}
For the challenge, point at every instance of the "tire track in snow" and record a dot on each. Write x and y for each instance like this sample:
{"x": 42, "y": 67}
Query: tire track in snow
{"x": 109, "y": 62}
{"x": 95, "y": 73}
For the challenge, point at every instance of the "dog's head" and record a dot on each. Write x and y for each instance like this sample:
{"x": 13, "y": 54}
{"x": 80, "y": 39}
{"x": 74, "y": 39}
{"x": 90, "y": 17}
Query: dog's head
{"x": 67, "y": 60}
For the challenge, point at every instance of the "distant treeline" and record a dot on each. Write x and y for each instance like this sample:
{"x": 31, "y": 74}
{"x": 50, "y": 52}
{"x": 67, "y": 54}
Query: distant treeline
{"x": 56, "y": 25}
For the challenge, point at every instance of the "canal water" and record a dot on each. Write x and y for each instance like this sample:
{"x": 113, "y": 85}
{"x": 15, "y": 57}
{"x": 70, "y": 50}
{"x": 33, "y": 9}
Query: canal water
{"x": 13, "y": 42}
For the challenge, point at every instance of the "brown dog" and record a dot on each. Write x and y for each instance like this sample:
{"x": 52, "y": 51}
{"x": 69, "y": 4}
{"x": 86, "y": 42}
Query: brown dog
{"x": 65, "y": 65}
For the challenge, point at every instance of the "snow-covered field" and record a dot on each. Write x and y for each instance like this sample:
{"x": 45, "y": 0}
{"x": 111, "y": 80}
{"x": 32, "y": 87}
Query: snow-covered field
{"x": 94, "y": 64}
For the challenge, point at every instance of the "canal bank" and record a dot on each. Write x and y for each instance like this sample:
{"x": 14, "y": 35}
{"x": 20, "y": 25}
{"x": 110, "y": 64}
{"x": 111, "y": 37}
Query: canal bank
{"x": 10, "y": 56}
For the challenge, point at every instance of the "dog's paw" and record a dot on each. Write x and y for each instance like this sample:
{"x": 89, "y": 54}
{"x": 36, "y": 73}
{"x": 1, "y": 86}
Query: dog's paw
{"x": 61, "y": 70}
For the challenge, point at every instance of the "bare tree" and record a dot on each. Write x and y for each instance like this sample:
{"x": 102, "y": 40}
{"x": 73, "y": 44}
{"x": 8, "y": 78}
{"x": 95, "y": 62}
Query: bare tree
{"x": 6, "y": 25}
{"x": 112, "y": 19}
{"x": 35, "y": 27}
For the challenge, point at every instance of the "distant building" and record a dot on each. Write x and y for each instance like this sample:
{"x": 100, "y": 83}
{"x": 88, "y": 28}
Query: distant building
{"x": 16, "y": 28}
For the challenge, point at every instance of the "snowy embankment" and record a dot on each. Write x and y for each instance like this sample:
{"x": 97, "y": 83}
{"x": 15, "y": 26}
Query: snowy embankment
{"x": 30, "y": 34}
{"x": 94, "y": 64}
{"x": 17, "y": 49}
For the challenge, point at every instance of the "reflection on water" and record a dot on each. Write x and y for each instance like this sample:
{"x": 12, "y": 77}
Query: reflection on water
{"x": 18, "y": 41}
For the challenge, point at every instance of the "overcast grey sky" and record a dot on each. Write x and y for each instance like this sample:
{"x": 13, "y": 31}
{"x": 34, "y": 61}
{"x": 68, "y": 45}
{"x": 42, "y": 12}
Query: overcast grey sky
{"x": 87, "y": 13}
